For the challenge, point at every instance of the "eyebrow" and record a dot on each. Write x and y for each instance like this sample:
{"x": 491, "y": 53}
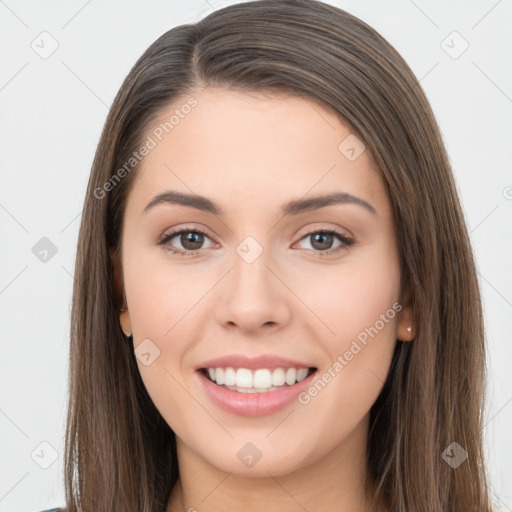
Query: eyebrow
{"x": 292, "y": 208}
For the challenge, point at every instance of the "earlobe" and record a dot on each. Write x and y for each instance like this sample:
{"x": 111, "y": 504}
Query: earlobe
{"x": 406, "y": 334}
{"x": 405, "y": 328}
{"x": 124, "y": 320}
{"x": 124, "y": 317}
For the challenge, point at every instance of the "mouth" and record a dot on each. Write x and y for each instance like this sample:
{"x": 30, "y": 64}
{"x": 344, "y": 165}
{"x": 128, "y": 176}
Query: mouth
{"x": 261, "y": 380}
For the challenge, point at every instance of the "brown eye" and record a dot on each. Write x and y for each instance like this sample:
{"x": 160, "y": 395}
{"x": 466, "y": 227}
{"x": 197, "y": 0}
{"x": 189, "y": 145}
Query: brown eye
{"x": 191, "y": 241}
{"x": 322, "y": 241}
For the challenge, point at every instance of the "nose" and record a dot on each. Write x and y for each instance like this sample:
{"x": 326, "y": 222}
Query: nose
{"x": 253, "y": 297}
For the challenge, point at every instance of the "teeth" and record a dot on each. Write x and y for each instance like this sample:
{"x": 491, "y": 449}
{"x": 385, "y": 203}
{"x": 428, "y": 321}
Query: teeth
{"x": 256, "y": 381}
{"x": 278, "y": 377}
{"x": 291, "y": 376}
{"x": 262, "y": 379}
{"x": 302, "y": 373}
{"x": 229, "y": 377}
{"x": 244, "y": 378}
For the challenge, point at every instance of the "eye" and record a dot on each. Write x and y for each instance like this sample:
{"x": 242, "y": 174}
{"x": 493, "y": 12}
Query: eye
{"x": 322, "y": 241}
{"x": 191, "y": 240}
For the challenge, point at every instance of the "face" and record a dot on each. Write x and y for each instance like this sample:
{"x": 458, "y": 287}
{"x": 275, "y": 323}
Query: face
{"x": 311, "y": 285}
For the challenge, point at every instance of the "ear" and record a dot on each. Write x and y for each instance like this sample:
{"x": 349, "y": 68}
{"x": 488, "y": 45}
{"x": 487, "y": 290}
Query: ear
{"x": 406, "y": 328}
{"x": 119, "y": 294}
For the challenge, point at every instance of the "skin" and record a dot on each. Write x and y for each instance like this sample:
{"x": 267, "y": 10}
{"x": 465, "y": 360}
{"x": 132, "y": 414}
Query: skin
{"x": 251, "y": 153}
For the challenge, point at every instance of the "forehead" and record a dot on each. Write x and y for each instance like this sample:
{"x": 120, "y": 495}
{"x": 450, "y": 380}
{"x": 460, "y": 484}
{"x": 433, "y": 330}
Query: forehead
{"x": 239, "y": 147}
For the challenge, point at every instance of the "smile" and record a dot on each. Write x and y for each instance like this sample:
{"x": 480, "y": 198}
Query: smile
{"x": 259, "y": 392}
{"x": 261, "y": 380}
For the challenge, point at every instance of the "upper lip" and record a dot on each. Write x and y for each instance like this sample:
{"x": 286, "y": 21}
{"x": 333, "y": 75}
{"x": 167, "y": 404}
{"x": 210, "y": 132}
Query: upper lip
{"x": 263, "y": 361}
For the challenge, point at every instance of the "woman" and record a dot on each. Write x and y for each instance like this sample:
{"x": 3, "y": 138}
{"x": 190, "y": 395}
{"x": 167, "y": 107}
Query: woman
{"x": 276, "y": 304}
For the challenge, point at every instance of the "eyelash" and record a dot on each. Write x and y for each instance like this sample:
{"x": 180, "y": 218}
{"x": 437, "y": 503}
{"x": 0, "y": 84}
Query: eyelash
{"x": 346, "y": 241}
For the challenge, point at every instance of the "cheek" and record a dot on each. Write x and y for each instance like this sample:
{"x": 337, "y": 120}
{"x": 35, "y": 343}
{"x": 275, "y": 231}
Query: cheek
{"x": 157, "y": 303}
{"x": 344, "y": 391}
{"x": 161, "y": 294}
{"x": 351, "y": 298}
{"x": 360, "y": 308}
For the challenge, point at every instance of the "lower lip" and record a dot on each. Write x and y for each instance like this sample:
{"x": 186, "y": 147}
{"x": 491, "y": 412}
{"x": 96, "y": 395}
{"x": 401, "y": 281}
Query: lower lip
{"x": 254, "y": 404}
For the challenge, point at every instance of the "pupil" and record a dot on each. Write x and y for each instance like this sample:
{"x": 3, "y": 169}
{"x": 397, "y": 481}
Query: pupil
{"x": 323, "y": 236}
{"x": 188, "y": 238}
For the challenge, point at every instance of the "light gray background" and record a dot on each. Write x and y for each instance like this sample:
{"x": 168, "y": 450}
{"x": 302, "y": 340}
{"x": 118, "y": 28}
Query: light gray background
{"x": 53, "y": 111}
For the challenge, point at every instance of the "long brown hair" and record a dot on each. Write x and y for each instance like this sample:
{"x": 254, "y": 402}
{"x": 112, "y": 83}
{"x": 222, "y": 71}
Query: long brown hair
{"x": 120, "y": 453}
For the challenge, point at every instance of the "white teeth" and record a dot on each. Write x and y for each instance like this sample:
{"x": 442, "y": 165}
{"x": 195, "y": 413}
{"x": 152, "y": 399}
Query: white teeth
{"x": 302, "y": 374}
{"x": 260, "y": 380}
{"x": 243, "y": 377}
{"x": 251, "y": 390}
{"x": 278, "y": 377}
{"x": 291, "y": 376}
{"x": 229, "y": 377}
{"x": 219, "y": 376}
